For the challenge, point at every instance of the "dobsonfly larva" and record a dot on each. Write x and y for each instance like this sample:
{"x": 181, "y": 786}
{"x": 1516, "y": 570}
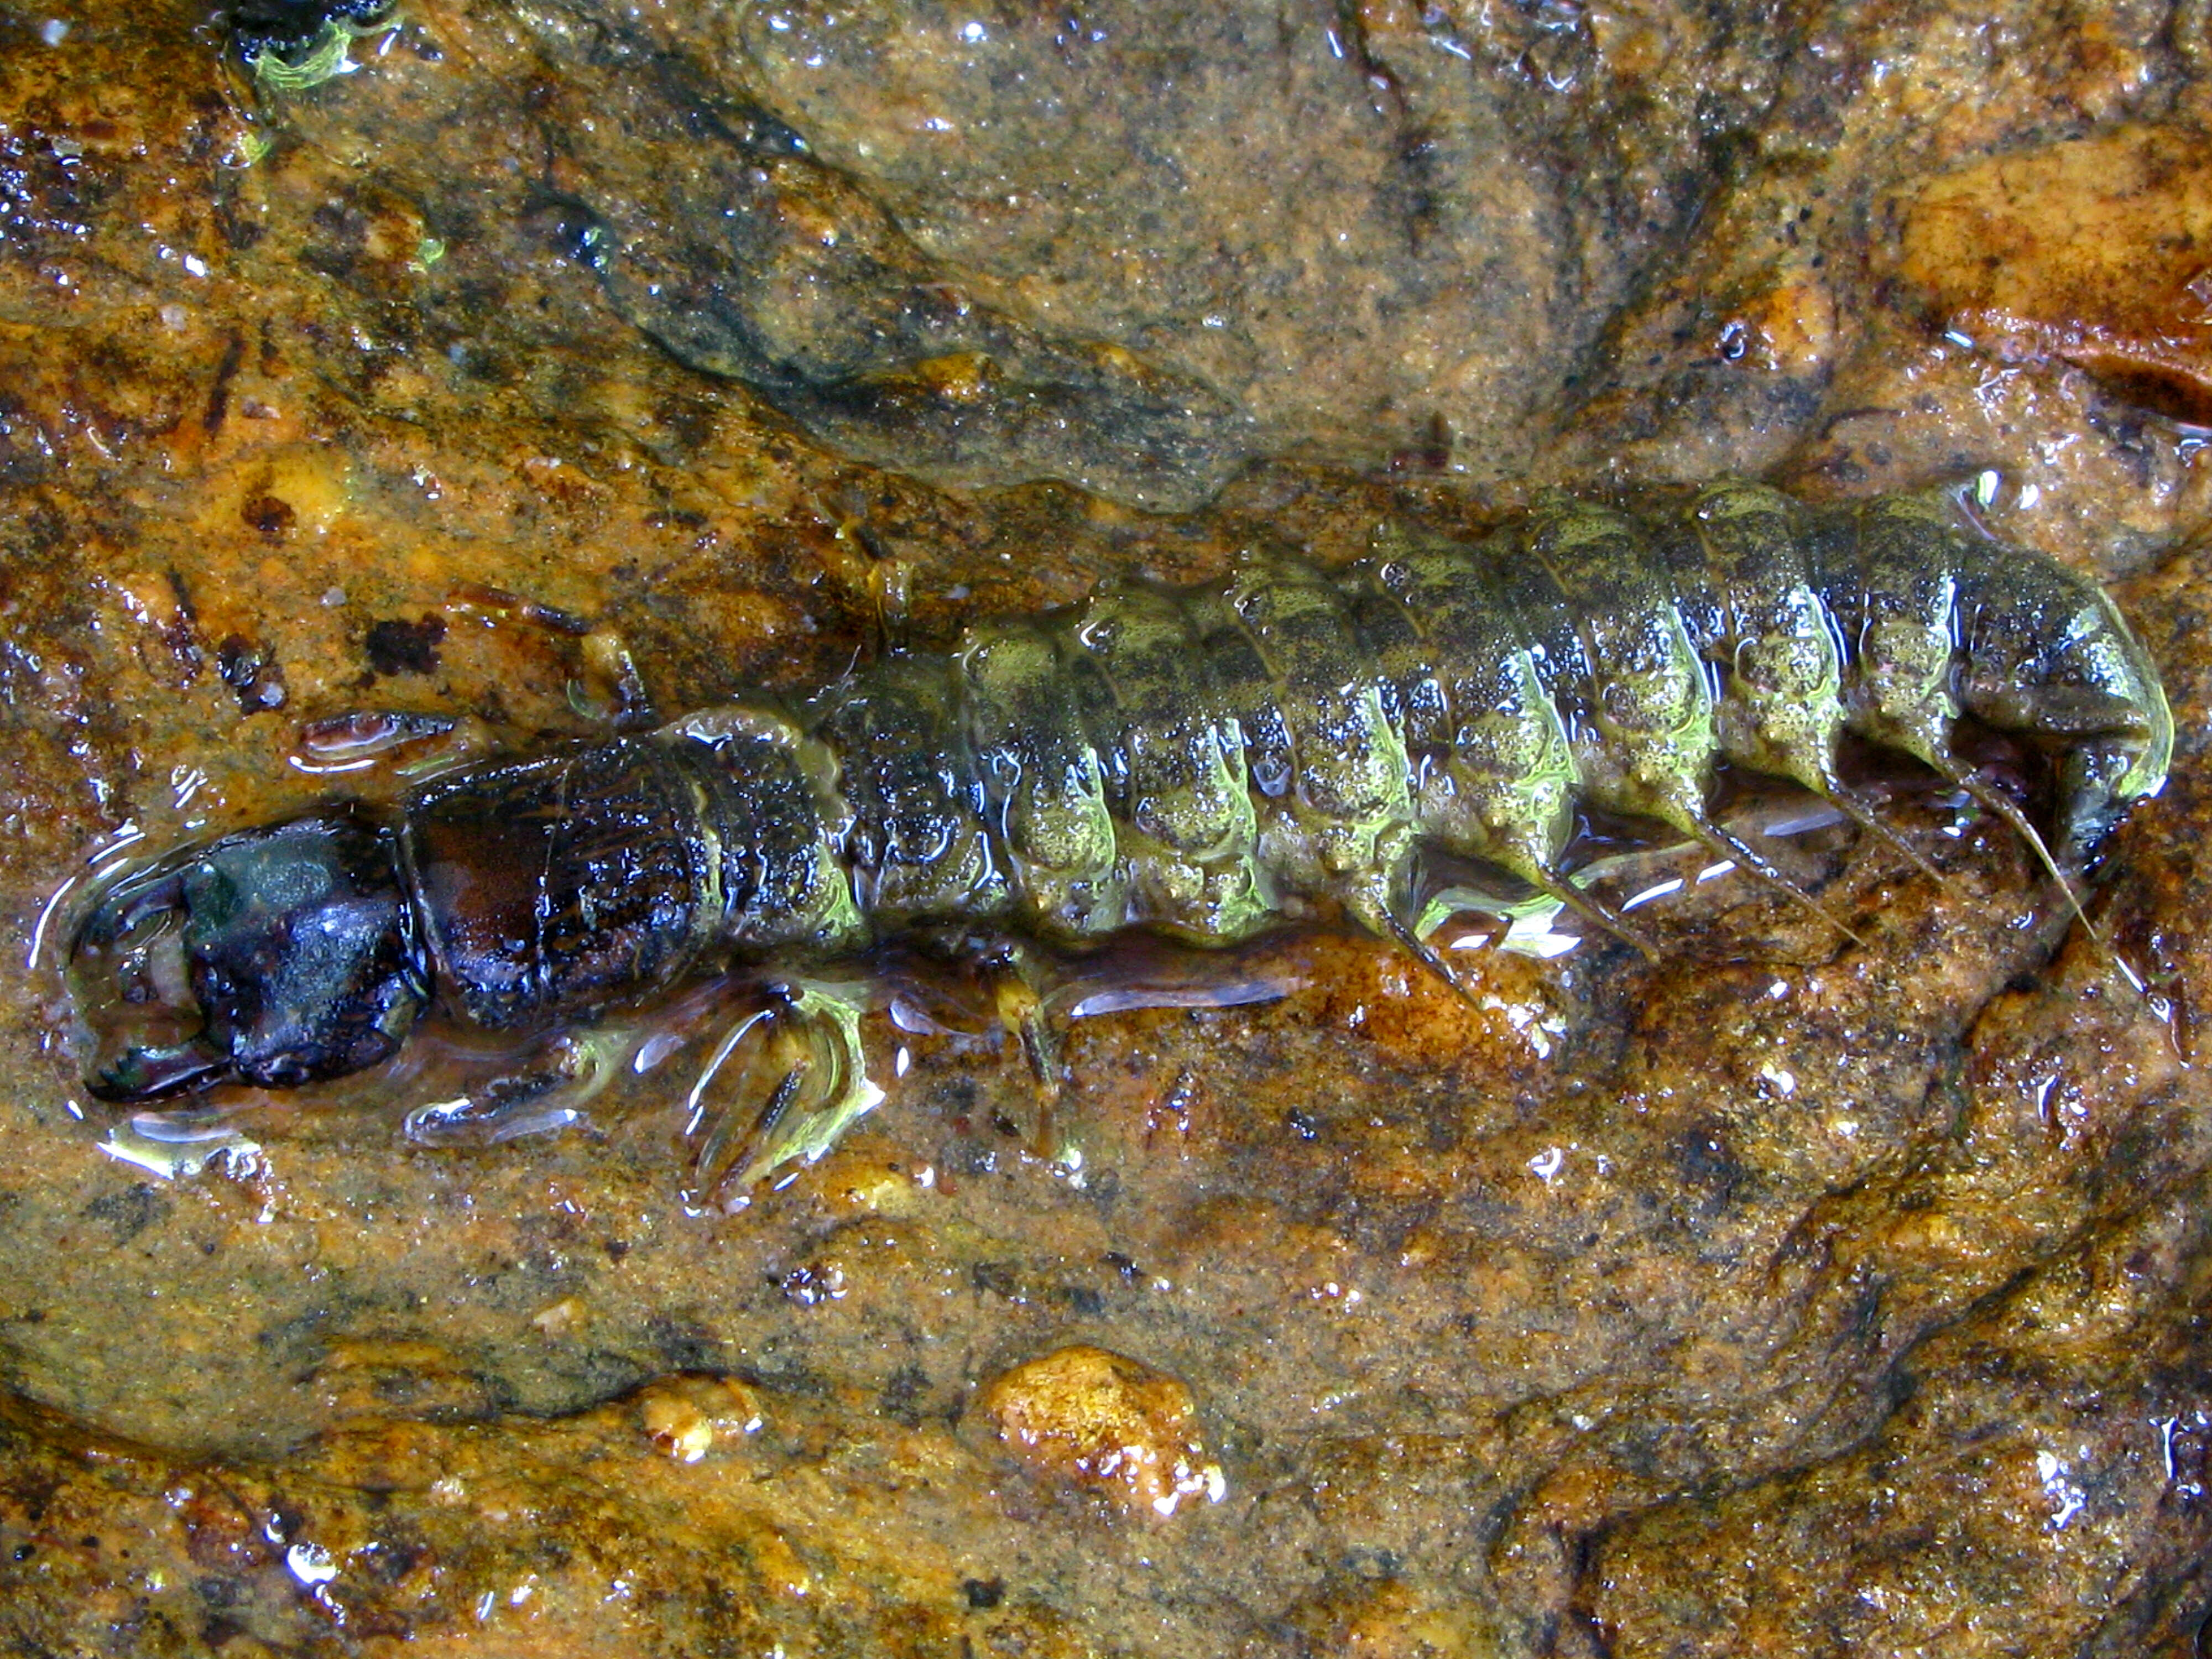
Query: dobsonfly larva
{"x": 1202, "y": 763}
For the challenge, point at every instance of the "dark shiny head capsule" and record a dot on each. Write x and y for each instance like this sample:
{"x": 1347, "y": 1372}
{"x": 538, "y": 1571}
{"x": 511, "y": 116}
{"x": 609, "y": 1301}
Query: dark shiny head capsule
{"x": 290, "y": 28}
{"x": 274, "y": 956}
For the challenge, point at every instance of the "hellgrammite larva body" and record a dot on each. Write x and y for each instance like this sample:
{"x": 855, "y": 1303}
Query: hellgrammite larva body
{"x": 1202, "y": 763}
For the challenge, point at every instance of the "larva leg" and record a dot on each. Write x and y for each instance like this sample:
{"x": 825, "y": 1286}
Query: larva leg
{"x": 811, "y": 1043}
{"x": 608, "y": 690}
{"x": 719, "y": 1129}
{"x": 1372, "y": 909}
{"x": 1996, "y": 800}
{"x": 1728, "y": 845}
{"x": 406, "y": 744}
{"x": 1861, "y": 812}
{"x": 548, "y": 1093}
{"x": 1526, "y": 855}
{"x": 1018, "y": 994}
{"x": 1676, "y": 803}
{"x": 1557, "y": 884}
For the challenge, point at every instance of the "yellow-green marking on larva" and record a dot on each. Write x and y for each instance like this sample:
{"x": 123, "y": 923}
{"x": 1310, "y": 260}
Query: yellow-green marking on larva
{"x": 328, "y": 56}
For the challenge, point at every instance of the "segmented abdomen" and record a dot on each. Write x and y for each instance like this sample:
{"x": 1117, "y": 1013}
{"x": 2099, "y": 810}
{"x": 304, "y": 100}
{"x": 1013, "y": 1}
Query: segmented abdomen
{"x": 1193, "y": 761}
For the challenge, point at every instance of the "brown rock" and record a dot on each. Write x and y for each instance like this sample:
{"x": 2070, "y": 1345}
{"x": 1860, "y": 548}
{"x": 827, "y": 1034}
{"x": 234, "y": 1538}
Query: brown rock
{"x": 2098, "y": 251}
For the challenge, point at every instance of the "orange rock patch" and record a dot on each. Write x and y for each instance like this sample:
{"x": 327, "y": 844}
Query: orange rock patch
{"x": 1106, "y": 1422}
{"x": 2098, "y": 251}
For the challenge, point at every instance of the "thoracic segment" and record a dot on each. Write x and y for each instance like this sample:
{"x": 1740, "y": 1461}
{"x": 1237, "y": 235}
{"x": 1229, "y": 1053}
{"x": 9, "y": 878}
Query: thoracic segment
{"x": 1203, "y": 761}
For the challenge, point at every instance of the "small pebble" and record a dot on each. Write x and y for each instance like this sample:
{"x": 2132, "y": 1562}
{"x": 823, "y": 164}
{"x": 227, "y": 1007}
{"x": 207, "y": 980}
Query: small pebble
{"x": 687, "y": 1416}
{"x": 1102, "y": 1421}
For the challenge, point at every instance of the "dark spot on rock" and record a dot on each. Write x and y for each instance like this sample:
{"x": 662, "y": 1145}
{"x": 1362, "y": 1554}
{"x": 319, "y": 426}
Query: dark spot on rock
{"x": 600, "y": 1375}
{"x": 394, "y": 1562}
{"x": 1374, "y": 1563}
{"x": 998, "y": 1279}
{"x": 234, "y": 352}
{"x": 813, "y": 1283}
{"x": 565, "y": 228}
{"x": 398, "y": 646}
{"x": 1708, "y": 1167}
{"x": 272, "y": 517}
{"x": 217, "y": 1594}
{"x": 129, "y": 1211}
{"x": 983, "y": 1592}
{"x": 246, "y": 669}
{"x": 181, "y": 634}
{"x": 901, "y": 1396}
{"x": 682, "y": 1344}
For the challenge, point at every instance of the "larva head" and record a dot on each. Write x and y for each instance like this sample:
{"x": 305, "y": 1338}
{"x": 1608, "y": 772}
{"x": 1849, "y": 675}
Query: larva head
{"x": 2048, "y": 655}
{"x": 275, "y": 956}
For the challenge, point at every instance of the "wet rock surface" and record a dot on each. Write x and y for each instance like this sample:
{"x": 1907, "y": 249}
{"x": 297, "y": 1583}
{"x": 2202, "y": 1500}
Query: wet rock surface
{"x": 1783, "y": 1296}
